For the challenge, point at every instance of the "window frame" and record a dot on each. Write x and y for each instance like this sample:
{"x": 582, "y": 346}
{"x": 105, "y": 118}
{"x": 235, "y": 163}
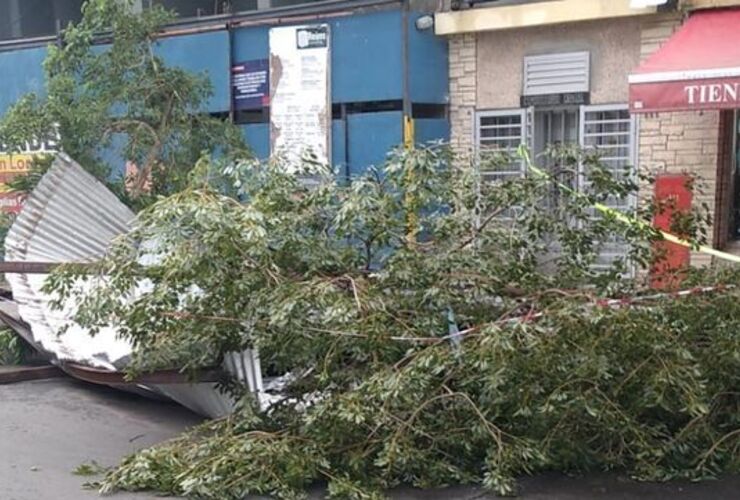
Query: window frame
{"x": 524, "y": 134}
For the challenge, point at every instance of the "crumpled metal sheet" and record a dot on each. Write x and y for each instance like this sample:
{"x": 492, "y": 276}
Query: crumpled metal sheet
{"x": 71, "y": 217}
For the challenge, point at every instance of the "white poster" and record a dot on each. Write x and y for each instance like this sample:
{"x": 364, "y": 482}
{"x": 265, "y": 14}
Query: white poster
{"x": 300, "y": 96}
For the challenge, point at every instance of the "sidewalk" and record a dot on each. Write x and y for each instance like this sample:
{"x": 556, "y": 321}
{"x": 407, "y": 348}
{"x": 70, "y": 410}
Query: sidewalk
{"x": 48, "y": 428}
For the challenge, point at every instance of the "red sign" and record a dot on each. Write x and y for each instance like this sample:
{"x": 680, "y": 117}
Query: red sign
{"x": 686, "y": 95}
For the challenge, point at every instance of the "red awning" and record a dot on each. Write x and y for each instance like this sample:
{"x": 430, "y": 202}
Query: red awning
{"x": 697, "y": 68}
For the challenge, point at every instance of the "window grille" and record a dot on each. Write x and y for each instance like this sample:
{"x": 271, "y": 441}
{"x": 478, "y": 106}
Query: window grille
{"x": 500, "y": 133}
{"x": 610, "y": 130}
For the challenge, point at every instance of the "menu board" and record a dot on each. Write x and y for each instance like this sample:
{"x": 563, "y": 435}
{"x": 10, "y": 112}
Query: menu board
{"x": 300, "y": 96}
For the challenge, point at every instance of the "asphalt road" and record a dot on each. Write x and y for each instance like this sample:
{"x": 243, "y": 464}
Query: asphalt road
{"x": 48, "y": 428}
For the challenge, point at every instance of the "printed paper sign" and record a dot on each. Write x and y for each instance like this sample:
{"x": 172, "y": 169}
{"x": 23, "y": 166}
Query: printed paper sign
{"x": 300, "y": 109}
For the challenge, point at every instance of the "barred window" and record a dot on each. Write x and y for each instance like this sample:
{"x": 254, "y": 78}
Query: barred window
{"x": 499, "y": 134}
{"x": 608, "y": 129}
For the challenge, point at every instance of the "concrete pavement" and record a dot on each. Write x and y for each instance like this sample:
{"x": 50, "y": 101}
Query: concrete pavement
{"x": 48, "y": 428}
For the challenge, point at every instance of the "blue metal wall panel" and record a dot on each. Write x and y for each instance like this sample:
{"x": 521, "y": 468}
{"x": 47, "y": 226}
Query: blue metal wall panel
{"x": 366, "y": 62}
{"x": 431, "y": 129}
{"x": 251, "y": 43}
{"x": 113, "y": 155}
{"x": 257, "y": 136}
{"x": 371, "y": 137}
{"x": 202, "y": 53}
{"x": 22, "y": 72}
{"x": 428, "y": 65}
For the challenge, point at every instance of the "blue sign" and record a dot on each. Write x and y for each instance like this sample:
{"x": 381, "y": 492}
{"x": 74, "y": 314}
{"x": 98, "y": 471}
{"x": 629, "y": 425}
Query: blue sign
{"x": 250, "y": 82}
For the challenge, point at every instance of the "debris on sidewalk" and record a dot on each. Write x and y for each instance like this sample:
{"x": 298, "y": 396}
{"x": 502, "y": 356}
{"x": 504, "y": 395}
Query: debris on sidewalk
{"x": 71, "y": 217}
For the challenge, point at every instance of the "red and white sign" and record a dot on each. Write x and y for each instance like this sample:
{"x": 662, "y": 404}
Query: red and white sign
{"x": 697, "y": 68}
{"x": 16, "y": 163}
{"x": 685, "y": 95}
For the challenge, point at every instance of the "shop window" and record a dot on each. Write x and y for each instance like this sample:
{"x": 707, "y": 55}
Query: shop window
{"x": 727, "y": 191}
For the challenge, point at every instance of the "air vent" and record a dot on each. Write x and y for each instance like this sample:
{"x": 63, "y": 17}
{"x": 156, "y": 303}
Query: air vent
{"x": 557, "y": 73}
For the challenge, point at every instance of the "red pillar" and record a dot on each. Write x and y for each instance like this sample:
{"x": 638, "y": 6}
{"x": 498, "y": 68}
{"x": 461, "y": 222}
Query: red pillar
{"x": 673, "y": 193}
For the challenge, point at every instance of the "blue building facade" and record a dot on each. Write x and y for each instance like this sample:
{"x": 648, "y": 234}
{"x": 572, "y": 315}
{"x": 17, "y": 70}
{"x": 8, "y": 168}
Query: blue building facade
{"x": 383, "y": 67}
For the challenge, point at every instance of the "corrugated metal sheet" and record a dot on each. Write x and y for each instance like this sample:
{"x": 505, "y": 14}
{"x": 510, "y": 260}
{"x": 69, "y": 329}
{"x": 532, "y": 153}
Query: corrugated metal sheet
{"x": 69, "y": 217}
{"x": 557, "y": 73}
{"x": 72, "y": 217}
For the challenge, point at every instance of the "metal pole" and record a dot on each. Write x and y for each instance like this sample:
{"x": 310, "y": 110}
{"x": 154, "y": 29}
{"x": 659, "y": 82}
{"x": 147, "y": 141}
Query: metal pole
{"x": 16, "y": 267}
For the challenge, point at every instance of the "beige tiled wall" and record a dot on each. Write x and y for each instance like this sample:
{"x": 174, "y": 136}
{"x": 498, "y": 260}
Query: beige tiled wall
{"x": 463, "y": 71}
{"x": 668, "y": 142}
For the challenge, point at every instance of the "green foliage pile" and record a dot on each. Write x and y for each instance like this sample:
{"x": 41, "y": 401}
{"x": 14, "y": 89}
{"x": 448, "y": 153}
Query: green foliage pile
{"x": 110, "y": 97}
{"x": 437, "y": 329}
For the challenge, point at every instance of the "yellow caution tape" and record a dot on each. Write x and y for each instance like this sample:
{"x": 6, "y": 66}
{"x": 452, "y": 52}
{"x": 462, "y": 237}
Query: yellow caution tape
{"x": 631, "y": 220}
{"x": 668, "y": 236}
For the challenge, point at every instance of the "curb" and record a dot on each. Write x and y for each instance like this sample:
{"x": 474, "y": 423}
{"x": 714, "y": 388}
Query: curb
{"x": 15, "y": 374}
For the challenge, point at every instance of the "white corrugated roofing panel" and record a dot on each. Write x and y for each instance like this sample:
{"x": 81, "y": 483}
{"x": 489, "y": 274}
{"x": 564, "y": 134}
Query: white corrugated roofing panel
{"x": 69, "y": 217}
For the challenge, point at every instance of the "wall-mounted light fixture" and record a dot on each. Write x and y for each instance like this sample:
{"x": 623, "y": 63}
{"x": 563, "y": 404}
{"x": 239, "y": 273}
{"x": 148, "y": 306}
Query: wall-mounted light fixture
{"x": 424, "y": 23}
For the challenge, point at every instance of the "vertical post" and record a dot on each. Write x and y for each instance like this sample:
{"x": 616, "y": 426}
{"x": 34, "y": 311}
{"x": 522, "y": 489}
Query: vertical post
{"x": 345, "y": 125}
{"x": 58, "y": 29}
{"x": 408, "y": 123}
{"x": 673, "y": 194}
{"x": 408, "y": 132}
{"x": 230, "y": 32}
